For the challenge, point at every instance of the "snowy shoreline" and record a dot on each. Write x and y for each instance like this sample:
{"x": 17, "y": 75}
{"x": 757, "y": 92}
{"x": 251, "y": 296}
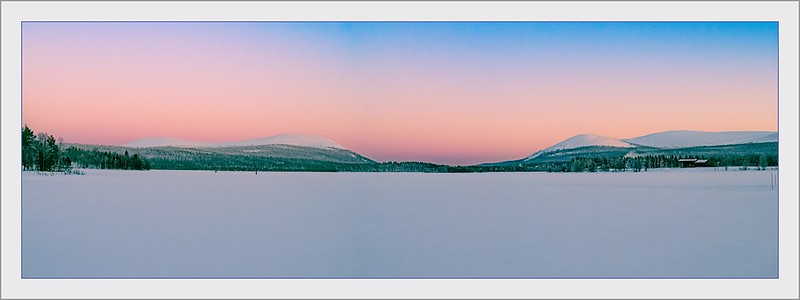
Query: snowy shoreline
{"x": 691, "y": 170}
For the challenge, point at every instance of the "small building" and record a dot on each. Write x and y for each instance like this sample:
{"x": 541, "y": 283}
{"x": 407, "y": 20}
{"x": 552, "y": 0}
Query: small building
{"x": 687, "y": 162}
{"x": 692, "y": 162}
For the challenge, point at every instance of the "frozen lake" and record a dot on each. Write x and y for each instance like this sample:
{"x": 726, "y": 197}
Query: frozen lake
{"x": 661, "y": 223}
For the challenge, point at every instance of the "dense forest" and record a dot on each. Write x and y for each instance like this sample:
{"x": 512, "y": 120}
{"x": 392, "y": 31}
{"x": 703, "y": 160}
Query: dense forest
{"x": 596, "y": 164}
{"x": 41, "y": 152}
{"x": 640, "y": 163}
{"x": 94, "y": 159}
{"x": 577, "y": 164}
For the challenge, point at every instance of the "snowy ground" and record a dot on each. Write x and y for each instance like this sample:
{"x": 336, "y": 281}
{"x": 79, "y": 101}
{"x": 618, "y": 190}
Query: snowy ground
{"x": 660, "y": 223}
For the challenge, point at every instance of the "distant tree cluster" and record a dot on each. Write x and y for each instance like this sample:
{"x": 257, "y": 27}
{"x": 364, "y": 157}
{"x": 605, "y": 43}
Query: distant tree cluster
{"x": 218, "y": 162}
{"x": 106, "y": 160}
{"x": 41, "y": 152}
{"x": 637, "y": 164}
{"x": 423, "y": 167}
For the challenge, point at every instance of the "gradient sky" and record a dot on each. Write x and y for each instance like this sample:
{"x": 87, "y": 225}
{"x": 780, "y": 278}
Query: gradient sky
{"x": 443, "y": 92}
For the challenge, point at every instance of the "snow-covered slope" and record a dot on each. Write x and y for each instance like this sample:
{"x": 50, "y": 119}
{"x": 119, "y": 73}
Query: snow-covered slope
{"x": 583, "y": 140}
{"x": 303, "y": 140}
{"x": 687, "y": 138}
{"x": 661, "y": 143}
{"x": 161, "y": 142}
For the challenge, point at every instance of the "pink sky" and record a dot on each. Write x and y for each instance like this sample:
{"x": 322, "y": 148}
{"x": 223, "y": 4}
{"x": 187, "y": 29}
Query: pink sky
{"x": 451, "y": 95}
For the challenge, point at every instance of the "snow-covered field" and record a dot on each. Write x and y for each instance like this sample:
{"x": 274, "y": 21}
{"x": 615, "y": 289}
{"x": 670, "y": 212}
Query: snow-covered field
{"x": 660, "y": 223}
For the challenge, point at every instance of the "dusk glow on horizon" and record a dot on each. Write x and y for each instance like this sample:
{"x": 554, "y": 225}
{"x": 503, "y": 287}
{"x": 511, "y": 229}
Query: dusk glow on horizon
{"x": 443, "y": 92}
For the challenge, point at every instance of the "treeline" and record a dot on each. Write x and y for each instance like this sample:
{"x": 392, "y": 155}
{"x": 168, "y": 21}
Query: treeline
{"x": 41, "y": 152}
{"x": 577, "y": 164}
{"x": 95, "y": 159}
{"x": 424, "y": 167}
{"x": 636, "y": 164}
{"x": 277, "y": 164}
{"x": 220, "y": 162}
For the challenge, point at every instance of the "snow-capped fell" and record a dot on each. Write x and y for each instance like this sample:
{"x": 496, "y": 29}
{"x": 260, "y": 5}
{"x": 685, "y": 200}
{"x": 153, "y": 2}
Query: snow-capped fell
{"x": 583, "y": 140}
{"x": 688, "y": 138}
{"x": 160, "y": 142}
{"x": 303, "y": 140}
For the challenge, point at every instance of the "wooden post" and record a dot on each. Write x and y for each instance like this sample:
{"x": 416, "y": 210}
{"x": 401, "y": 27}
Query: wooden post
{"x": 771, "y": 181}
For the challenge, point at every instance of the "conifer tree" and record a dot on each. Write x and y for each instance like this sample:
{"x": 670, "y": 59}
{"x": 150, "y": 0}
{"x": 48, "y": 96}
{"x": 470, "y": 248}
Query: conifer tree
{"x": 28, "y": 149}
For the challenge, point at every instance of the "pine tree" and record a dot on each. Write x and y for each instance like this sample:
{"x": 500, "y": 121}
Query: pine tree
{"x": 53, "y": 154}
{"x": 28, "y": 148}
{"x": 136, "y": 163}
{"x": 125, "y": 161}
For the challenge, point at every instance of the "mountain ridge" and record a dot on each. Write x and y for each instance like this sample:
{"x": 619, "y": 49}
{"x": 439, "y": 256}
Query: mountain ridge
{"x": 665, "y": 140}
{"x": 302, "y": 140}
{"x": 592, "y": 144}
{"x": 582, "y": 140}
{"x": 694, "y": 138}
{"x": 307, "y": 152}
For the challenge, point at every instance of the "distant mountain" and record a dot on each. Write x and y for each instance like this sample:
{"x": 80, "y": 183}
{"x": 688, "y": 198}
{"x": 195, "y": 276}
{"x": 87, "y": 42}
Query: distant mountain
{"x": 679, "y": 142}
{"x": 294, "y": 152}
{"x": 278, "y": 157}
{"x": 164, "y": 142}
{"x": 583, "y": 140}
{"x": 288, "y": 152}
{"x": 687, "y": 138}
{"x": 302, "y": 140}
